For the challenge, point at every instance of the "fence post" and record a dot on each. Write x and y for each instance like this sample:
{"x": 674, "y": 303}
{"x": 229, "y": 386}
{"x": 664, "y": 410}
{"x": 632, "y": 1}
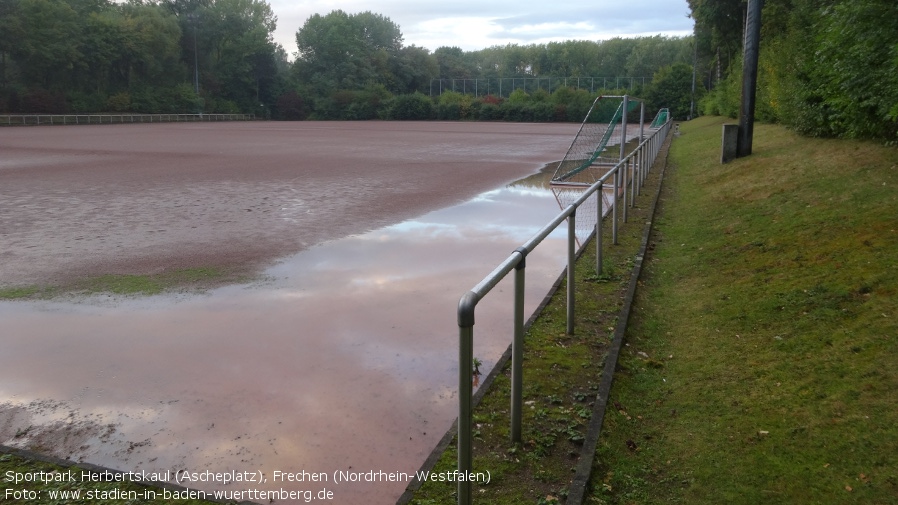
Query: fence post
{"x": 646, "y": 156}
{"x": 615, "y": 200}
{"x": 623, "y": 126}
{"x": 465, "y": 368}
{"x": 600, "y": 196}
{"x": 517, "y": 348}
{"x": 642, "y": 120}
{"x": 626, "y": 176}
{"x": 571, "y": 250}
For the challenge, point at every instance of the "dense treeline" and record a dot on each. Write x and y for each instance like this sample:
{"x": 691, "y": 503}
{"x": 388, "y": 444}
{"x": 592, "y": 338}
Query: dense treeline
{"x": 96, "y": 55}
{"x": 218, "y": 56}
{"x": 827, "y": 68}
{"x": 354, "y": 66}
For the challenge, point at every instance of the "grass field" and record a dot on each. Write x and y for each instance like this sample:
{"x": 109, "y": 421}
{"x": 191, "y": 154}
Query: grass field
{"x": 768, "y": 315}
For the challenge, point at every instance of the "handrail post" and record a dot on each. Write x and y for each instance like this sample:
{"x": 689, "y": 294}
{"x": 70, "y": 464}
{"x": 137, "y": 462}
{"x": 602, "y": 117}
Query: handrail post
{"x": 626, "y": 176}
{"x": 465, "y": 368}
{"x": 623, "y": 127}
{"x": 646, "y": 156}
{"x": 600, "y": 196}
{"x": 637, "y": 168}
{"x": 641, "y": 121}
{"x": 571, "y": 246}
{"x": 517, "y": 348}
{"x": 614, "y": 205}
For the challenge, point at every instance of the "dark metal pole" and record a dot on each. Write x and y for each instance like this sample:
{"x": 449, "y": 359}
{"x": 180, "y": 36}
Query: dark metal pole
{"x": 196, "y": 68}
{"x": 571, "y": 262}
{"x": 194, "y": 19}
{"x": 749, "y": 77}
{"x": 465, "y": 368}
{"x": 694, "y": 64}
{"x": 517, "y": 348}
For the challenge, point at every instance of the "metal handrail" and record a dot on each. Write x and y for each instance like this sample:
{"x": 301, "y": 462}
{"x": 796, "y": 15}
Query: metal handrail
{"x": 633, "y": 167}
{"x": 78, "y": 119}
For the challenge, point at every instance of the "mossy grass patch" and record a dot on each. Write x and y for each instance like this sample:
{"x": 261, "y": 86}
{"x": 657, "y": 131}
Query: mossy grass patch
{"x": 175, "y": 280}
{"x": 770, "y": 298}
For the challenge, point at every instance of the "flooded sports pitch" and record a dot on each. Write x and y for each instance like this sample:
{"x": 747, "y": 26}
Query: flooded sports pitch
{"x": 340, "y": 355}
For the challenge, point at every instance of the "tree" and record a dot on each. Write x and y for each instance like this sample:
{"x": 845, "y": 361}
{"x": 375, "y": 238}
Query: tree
{"x": 10, "y": 35}
{"x": 50, "y": 37}
{"x": 652, "y": 53}
{"x": 718, "y": 30}
{"x": 240, "y": 62}
{"x": 826, "y": 68}
{"x": 856, "y": 68}
{"x": 452, "y": 64}
{"x": 344, "y": 51}
{"x": 413, "y": 70}
{"x": 150, "y": 46}
{"x": 413, "y": 106}
{"x": 672, "y": 88}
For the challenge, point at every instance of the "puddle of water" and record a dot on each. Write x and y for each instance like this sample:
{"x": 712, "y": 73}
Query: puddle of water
{"x": 345, "y": 358}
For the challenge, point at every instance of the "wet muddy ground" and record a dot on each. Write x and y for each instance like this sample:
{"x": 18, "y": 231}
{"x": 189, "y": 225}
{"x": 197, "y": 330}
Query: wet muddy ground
{"x": 142, "y": 198}
{"x": 341, "y": 356}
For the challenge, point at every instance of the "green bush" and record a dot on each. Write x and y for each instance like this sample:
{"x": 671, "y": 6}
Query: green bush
{"x": 43, "y": 101}
{"x": 415, "y": 107}
{"x": 119, "y": 102}
{"x": 369, "y": 103}
{"x": 543, "y": 112}
{"x": 518, "y": 96}
{"x": 724, "y": 99}
{"x": 449, "y": 111}
{"x": 143, "y": 100}
{"x": 86, "y": 102}
{"x": 540, "y": 95}
{"x": 517, "y": 111}
{"x": 572, "y": 104}
{"x": 184, "y": 99}
{"x": 490, "y": 112}
{"x": 453, "y": 105}
{"x": 290, "y": 107}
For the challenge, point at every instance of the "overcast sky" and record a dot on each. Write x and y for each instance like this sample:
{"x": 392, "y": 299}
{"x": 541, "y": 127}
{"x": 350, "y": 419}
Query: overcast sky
{"x": 478, "y": 24}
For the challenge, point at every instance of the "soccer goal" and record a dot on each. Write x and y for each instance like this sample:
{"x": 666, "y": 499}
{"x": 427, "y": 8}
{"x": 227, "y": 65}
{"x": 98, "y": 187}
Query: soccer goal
{"x": 598, "y": 144}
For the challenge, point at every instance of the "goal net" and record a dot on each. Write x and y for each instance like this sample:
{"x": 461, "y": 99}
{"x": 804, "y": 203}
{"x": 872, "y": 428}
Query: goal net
{"x": 592, "y": 146}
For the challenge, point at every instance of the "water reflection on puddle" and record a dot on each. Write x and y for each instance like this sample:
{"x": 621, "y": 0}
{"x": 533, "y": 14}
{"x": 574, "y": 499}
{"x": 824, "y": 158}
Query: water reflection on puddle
{"x": 346, "y": 356}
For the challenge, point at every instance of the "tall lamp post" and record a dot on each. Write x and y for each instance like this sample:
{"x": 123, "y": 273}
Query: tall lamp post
{"x": 749, "y": 77}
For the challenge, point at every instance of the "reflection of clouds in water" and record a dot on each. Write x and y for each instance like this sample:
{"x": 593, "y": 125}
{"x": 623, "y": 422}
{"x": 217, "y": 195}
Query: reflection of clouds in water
{"x": 418, "y": 227}
{"x": 346, "y": 357}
